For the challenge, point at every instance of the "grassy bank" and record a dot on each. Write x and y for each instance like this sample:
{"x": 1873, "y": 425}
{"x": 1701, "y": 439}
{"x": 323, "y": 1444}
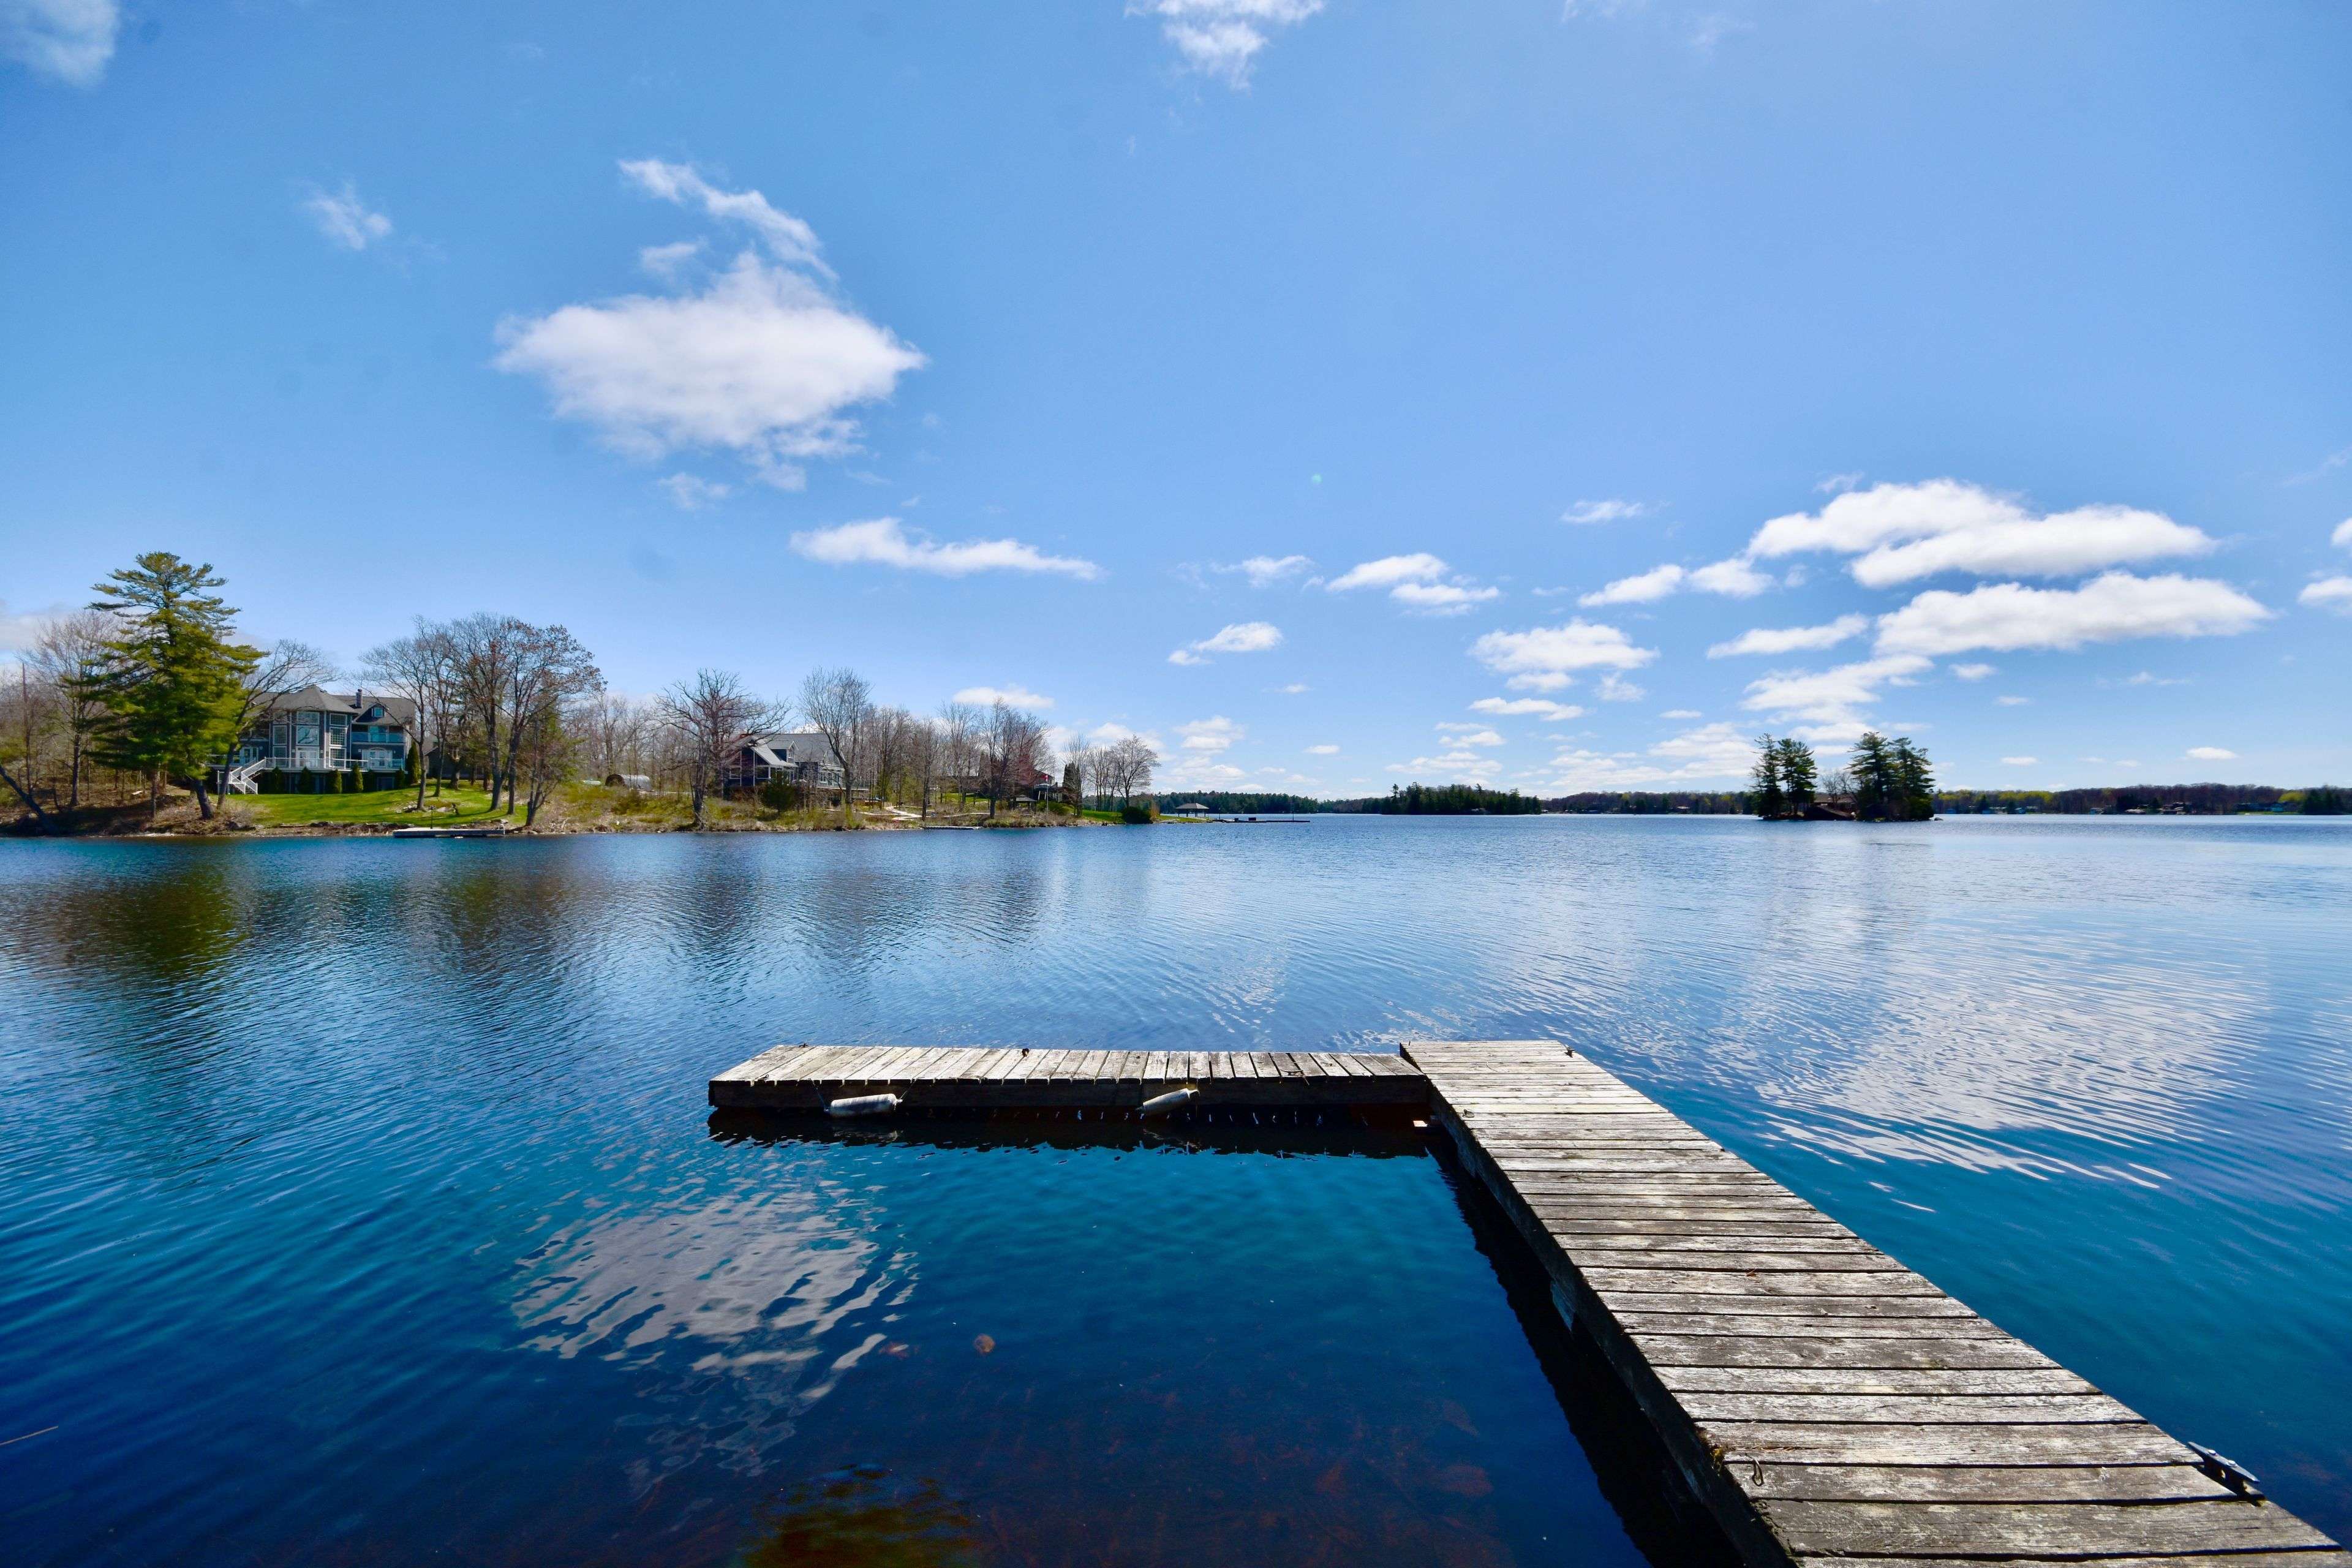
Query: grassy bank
{"x": 571, "y": 808}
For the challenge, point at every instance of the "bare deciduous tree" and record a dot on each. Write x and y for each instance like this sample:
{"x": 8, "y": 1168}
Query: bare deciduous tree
{"x": 710, "y": 718}
{"x": 548, "y": 668}
{"x": 840, "y": 705}
{"x": 483, "y": 645}
{"x": 70, "y": 653}
{"x": 23, "y": 716}
{"x": 422, "y": 669}
{"x": 615, "y": 734}
{"x": 1127, "y": 765}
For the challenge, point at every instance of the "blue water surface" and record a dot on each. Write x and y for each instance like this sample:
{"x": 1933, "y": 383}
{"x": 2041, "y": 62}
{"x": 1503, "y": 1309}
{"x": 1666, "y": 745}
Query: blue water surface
{"x": 358, "y": 1200}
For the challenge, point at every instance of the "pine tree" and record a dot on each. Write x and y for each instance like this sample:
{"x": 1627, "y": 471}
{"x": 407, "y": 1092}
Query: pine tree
{"x": 171, "y": 683}
{"x": 1915, "y": 781}
{"x": 1772, "y": 801}
{"x": 1873, "y": 776}
{"x": 1800, "y": 775}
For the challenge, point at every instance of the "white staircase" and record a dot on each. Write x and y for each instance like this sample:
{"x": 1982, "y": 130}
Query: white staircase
{"x": 245, "y": 779}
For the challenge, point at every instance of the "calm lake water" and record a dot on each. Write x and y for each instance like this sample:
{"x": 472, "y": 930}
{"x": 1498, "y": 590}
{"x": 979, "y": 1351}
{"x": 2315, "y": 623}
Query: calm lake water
{"x": 358, "y": 1203}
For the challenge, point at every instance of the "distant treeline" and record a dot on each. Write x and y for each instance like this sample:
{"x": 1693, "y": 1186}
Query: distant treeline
{"x": 1445, "y": 800}
{"x": 2200, "y": 799}
{"x": 1247, "y": 802}
{"x": 1650, "y": 803}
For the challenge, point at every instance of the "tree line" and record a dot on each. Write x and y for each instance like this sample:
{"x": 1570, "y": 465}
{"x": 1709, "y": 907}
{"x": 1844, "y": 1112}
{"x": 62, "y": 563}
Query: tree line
{"x": 150, "y": 687}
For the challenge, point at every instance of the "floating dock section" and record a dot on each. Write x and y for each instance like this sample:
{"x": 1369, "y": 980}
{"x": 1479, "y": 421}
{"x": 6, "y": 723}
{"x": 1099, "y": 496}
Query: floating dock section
{"x": 1828, "y": 1406}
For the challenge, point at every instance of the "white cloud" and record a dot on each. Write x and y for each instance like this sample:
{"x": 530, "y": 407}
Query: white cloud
{"x": 663, "y": 260}
{"x": 71, "y": 40}
{"x": 2328, "y": 594}
{"x": 2004, "y": 617}
{"x": 1210, "y": 735}
{"x": 1516, "y": 707}
{"x": 2211, "y": 754}
{"x": 692, "y": 492}
{"x": 1243, "y": 636}
{"x": 1466, "y": 767}
{"x": 1831, "y": 696}
{"x": 1469, "y": 735}
{"x": 761, "y": 363}
{"x": 1791, "y": 639}
{"x": 18, "y": 632}
{"x": 1639, "y": 589}
{"x": 1902, "y": 532}
{"x": 1838, "y": 484}
{"x": 1713, "y": 28}
{"x": 1389, "y": 571}
{"x": 1972, "y": 672}
{"x": 1222, "y": 38}
{"x": 1265, "y": 571}
{"x": 1615, "y": 687}
{"x": 882, "y": 542}
{"x": 1542, "y": 658}
{"x": 1419, "y": 582}
{"x": 1442, "y": 599}
{"x": 2343, "y": 535}
{"x": 2019, "y": 761}
{"x": 787, "y": 239}
{"x": 1719, "y": 749}
{"x": 1735, "y": 578}
{"x": 1611, "y": 510}
{"x": 1015, "y": 695}
{"x": 1294, "y": 689}
{"x": 1681, "y": 713}
{"x": 1323, "y": 750}
{"x": 345, "y": 219}
{"x": 763, "y": 360}
{"x": 2013, "y": 701}
{"x": 1715, "y": 751}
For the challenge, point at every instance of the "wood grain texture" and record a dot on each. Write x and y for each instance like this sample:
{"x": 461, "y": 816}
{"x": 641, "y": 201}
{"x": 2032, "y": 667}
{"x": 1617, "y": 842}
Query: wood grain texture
{"x": 1829, "y": 1406}
{"x": 978, "y": 1077}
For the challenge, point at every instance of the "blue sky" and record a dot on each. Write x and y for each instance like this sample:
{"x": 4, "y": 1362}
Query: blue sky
{"x": 1340, "y": 393}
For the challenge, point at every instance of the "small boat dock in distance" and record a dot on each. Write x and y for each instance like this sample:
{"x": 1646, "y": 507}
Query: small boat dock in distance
{"x": 1827, "y": 1405}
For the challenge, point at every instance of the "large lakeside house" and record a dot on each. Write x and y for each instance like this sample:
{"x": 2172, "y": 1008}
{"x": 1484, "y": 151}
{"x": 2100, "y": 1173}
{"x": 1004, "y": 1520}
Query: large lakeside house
{"x": 311, "y": 734}
{"x": 803, "y": 757}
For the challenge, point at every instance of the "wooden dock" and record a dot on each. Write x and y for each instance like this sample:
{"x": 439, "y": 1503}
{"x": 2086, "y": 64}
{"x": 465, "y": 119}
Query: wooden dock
{"x": 930, "y": 1077}
{"x": 1827, "y": 1405}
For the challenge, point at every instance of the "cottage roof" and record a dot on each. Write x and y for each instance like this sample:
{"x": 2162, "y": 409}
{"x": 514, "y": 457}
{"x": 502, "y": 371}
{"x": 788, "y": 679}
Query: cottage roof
{"x": 396, "y": 710}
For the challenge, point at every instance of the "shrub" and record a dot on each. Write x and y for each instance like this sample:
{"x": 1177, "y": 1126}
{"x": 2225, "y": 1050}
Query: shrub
{"x": 1136, "y": 813}
{"x": 273, "y": 781}
{"x": 779, "y": 796}
{"x": 334, "y": 783}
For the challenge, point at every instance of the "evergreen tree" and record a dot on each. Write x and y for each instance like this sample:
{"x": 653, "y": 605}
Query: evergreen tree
{"x": 408, "y": 768}
{"x": 1800, "y": 775}
{"x": 1771, "y": 800}
{"x": 1915, "y": 783}
{"x": 1873, "y": 776}
{"x": 170, "y": 682}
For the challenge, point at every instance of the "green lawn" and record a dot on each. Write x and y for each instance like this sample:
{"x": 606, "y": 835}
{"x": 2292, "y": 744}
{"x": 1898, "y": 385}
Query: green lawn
{"x": 367, "y": 805}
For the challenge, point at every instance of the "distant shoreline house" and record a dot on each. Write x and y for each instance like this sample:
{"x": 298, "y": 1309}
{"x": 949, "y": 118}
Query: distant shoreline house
{"x": 803, "y": 757}
{"x": 310, "y": 733}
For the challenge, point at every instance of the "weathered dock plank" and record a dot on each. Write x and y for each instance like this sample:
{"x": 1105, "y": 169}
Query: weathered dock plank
{"x": 1831, "y": 1407}
{"x": 972, "y": 1078}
